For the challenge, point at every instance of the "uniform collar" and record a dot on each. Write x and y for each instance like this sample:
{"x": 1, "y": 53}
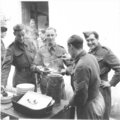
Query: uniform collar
{"x": 80, "y": 55}
{"x": 18, "y": 44}
{"x": 52, "y": 47}
{"x": 96, "y": 49}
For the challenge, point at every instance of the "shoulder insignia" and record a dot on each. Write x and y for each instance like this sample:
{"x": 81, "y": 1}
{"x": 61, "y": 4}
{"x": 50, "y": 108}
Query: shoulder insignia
{"x": 8, "y": 58}
{"x": 79, "y": 86}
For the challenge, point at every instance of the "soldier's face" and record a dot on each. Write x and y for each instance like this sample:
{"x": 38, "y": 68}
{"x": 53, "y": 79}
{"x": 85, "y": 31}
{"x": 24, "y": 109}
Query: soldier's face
{"x": 71, "y": 50}
{"x": 3, "y": 34}
{"x": 50, "y": 36}
{"x": 20, "y": 36}
{"x": 92, "y": 42}
{"x": 42, "y": 35}
{"x": 32, "y": 24}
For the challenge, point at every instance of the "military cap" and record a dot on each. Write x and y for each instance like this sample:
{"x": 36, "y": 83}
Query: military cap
{"x": 88, "y": 33}
{"x": 18, "y": 27}
{"x": 3, "y": 29}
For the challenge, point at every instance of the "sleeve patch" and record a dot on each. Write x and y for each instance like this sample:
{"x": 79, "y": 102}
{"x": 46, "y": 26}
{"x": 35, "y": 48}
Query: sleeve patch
{"x": 8, "y": 58}
{"x": 79, "y": 86}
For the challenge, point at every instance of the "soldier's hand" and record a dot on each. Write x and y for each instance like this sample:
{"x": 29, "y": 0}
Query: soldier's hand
{"x": 66, "y": 107}
{"x": 38, "y": 68}
{"x": 3, "y": 87}
{"x": 66, "y": 57}
{"x": 63, "y": 71}
{"x": 105, "y": 84}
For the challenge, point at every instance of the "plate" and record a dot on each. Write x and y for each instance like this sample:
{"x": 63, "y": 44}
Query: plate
{"x": 54, "y": 75}
{"x": 46, "y": 70}
{"x": 6, "y": 99}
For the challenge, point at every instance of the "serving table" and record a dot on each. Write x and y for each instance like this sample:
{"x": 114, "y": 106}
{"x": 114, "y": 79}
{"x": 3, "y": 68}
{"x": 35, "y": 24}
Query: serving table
{"x": 57, "y": 112}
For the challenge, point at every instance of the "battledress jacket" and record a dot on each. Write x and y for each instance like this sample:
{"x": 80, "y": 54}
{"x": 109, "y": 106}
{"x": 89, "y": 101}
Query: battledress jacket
{"x": 85, "y": 82}
{"x": 20, "y": 56}
{"x": 3, "y": 50}
{"x": 50, "y": 54}
{"x": 107, "y": 61}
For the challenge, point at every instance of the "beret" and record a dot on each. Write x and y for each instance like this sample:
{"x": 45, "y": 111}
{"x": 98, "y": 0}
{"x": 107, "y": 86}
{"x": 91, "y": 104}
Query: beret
{"x": 3, "y": 29}
{"x": 18, "y": 27}
{"x": 88, "y": 33}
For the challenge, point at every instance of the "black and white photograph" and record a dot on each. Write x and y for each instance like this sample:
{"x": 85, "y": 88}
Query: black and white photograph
{"x": 60, "y": 59}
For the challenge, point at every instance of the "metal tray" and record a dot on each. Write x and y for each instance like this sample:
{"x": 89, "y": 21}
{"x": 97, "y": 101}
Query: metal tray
{"x": 29, "y": 112}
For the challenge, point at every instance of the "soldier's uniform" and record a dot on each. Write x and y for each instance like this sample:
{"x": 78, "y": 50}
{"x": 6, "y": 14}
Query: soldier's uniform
{"x": 2, "y": 51}
{"x": 107, "y": 61}
{"x": 20, "y": 56}
{"x": 85, "y": 82}
{"x": 50, "y": 54}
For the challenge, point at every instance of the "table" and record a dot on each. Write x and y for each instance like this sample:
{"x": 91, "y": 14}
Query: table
{"x": 57, "y": 112}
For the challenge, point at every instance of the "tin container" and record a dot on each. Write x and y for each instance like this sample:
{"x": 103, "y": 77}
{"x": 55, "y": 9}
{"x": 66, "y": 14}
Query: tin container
{"x": 54, "y": 87}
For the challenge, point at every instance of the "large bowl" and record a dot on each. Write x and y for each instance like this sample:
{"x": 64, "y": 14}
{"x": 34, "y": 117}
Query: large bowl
{"x": 25, "y": 86}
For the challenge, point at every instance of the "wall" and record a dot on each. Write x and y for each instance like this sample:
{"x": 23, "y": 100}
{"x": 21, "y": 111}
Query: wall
{"x": 25, "y": 13}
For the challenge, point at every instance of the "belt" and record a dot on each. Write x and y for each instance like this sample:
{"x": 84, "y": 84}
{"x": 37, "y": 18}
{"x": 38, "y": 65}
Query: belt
{"x": 23, "y": 69}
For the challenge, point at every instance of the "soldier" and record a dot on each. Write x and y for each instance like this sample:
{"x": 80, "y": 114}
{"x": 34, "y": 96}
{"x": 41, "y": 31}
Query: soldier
{"x": 48, "y": 57}
{"x": 41, "y": 38}
{"x": 19, "y": 55}
{"x": 3, "y": 34}
{"x": 107, "y": 61}
{"x": 85, "y": 80}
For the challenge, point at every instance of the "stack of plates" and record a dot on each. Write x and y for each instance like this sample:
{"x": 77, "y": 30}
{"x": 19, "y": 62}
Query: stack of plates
{"x": 24, "y": 87}
{"x": 6, "y": 99}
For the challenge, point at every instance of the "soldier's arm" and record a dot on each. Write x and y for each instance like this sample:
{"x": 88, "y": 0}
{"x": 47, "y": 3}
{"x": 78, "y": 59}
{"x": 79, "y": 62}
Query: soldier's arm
{"x": 2, "y": 55}
{"x": 81, "y": 86}
{"x": 67, "y": 62}
{"x": 114, "y": 63}
{"x": 36, "y": 62}
{"x": 6, "y": 66}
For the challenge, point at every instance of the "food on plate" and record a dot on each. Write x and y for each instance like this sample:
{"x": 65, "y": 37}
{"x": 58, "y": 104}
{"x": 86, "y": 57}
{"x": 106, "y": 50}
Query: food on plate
{"x": 46, "y": 69}
{"x": 32, "y": 101}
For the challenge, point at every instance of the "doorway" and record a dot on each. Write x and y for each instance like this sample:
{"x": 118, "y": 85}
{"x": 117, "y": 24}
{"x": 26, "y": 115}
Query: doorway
{"x": 37, "y": 10}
